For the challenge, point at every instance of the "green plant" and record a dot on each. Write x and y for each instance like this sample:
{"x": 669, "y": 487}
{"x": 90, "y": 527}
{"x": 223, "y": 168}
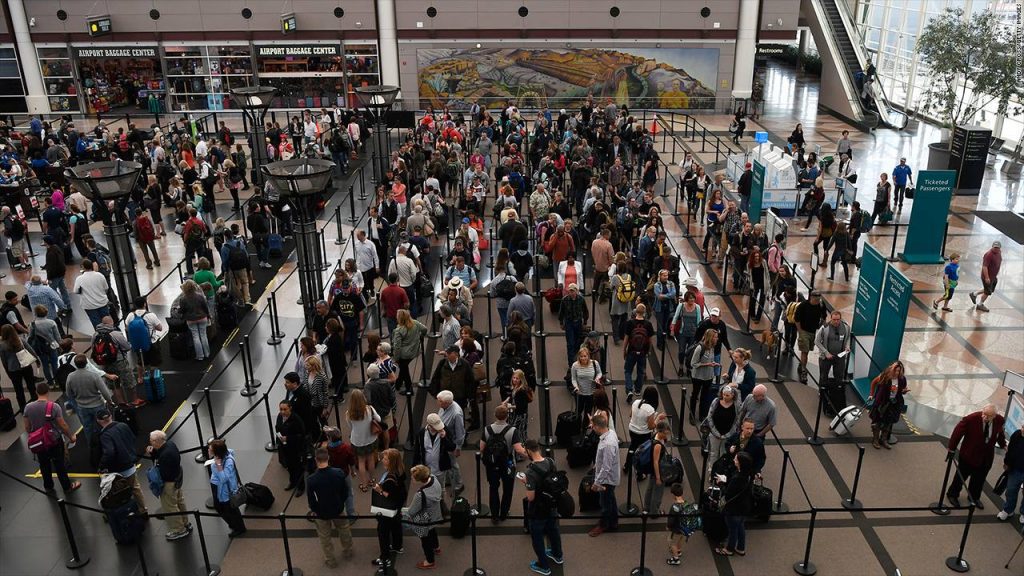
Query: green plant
{"x": 812, "y": 64}
{"x": 960, "y": 52}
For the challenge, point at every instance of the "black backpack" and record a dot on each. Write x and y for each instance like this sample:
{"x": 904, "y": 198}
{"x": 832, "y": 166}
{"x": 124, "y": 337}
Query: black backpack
{"x": 639, "y": 338}
{"x": 238, "y": 257}
{"x": 553, "y": 493}
{"x": 496, "y": 452}
{"x": 506, "y": 288}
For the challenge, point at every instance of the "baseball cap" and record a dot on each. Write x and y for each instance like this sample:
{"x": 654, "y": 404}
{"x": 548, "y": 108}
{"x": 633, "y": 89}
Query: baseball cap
{"x": 465, "y": 220}
{"x": 997, "y": 244}
{"x": 715, "y": 312}
{"x": 690, "y": 281}
{"x": 593, "y": 334}
{"x": 748, "y": 165}
{"x": 815, "y": 293}
{"x": 102, "y": 414}
{"x": 435, "y": 423}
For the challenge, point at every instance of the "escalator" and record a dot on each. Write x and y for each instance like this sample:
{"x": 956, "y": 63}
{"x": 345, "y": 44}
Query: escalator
{"x": 840, "y": 44}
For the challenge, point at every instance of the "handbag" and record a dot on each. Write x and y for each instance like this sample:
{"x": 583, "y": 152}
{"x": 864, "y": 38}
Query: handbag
{"x": 25, "y": 358}
{"x": 422, "y": 519}
{"x": 240, "y": 497}
{"x": 156, "y": 482}
{"x": 479, "y": 371}
{"x": 1000, "y": 485}
{"x": 385, "y": 512}
{"x": 886, "y": 217}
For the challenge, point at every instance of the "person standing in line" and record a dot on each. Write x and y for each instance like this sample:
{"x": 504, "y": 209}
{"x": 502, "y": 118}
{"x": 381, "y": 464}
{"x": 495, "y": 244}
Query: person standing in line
{"x": 721, "y": 418}
{"x": 833, "y": 343}
{"x": 638, "y": 334}
{"x": 88, "y": 393}
{"x": 1013, "y": 464}
{"x": 743, "y": 187}
{"x": 92, "y": 286}
{"x": 224, "y": 483}
{"x": 902, "y": 176}
{"x": 425, "y": 507}
{"x": 454, "y": 421}
{"x": 389, "y": 493}
{"x": 844, "y": 146}
{"x": 886, "y": 399}
{"x": 656, "y": 484}
{"x": 500, "y": 442}
{"x": 43, "y": 412}
{"x": 950, "y": 279}
{"x": 810, "y": 315}
{"x": 292, "y": 447}
{"x": 676, "y": 535}
{"x": 326, "y": 494}
{"x": 738, "y": 500}
{"x": 883, "y": 197}
{"x": 606, "y": 475}
{"x": 167, "y": 460}
{"x": 117, "y": 445}
{"x": 664, "y": 305}
{"x": 976, "y": 435}
{"x": 990, "y": 265}
{"x": 541, "y": 512}
{"x": 572, "y": 315}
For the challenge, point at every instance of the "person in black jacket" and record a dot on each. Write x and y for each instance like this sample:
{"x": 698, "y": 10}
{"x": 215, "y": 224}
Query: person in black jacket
{"x": 1013, "y": 464}
{"x": 327, "y": 492}
{"x": 737, "y": 502}
{"x": 167, "y": 459}
{"x": 259, "y": 229}
{"x": 117, "y": 445}
{"x": 292, "y": 447}
{"x": 390, "y": 494}
{"x": 301, "y": 401}
{"x": 432, "y": 447}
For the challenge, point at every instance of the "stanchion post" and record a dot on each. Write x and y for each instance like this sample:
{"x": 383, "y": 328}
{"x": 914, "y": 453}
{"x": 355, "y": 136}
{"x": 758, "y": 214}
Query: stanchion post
{"x": 337, "y": 220}
{"x": 543, "y": 359}
{"x": 352, "y": 204}
{"x": 615, "y": 403}
{"x": 482, "y": 508}
{"x": 211, "y": 569}
{"x": 409, "y": 438}
{"x": 939, "y": 506}
{"x": 805, "y": 567}
{"x": 852, "y": 503}
{"x": 247, "y": 390}
{"x": 680, "y": 439}
{"x": 254, "y": 382}
{"x": 780, "y": 506}
{"x": 209, "y": 411}
{"x": 661, "y": 381}
{"x": 272, "y": 310}
{"x": 642, "y": 569}
{"x": 703, "y": 468}
{"x": 957, "y": 563}
{"x": 77, "y": 560}
{"x": 775, "y": 379}
{"x": 892, "y": 251}
{"x": 290, "y": 570}
{"x": 203, "y": 454}
{"x": 272, "y": 445}
{"x": 815, "y": 440}
{"x": 628, "y": 508}
{"x": 474, "y": 570}
{"x": 546, "y": 440}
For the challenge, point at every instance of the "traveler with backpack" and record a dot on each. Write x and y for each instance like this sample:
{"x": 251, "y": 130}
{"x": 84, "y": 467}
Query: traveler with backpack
{"x": 195, "y": 234}
{"x": 145, "y": 330}
{"x": 502, "y": 290}
{"x": 644, "y": 417}
{"x": 499, "y": 444}
{"x": 87, "y": 392}
{"x": 195, "y": 310}
{"x": 110, "y": 347}
{"x": 145, "y": 235}
{"x": 606, "y": 475}
{"x": 636, "y": 345}
{"x": 235, "y": 256}
{"x": 44, "y": 337}
{"x": 56, "y": 268}
{"x": 117, "y": 454}
{"x": 543, "y": 491}
{"x": 46, "y": 428}
{"x": 623, "y": 288}
{"x": 660, "y": 459}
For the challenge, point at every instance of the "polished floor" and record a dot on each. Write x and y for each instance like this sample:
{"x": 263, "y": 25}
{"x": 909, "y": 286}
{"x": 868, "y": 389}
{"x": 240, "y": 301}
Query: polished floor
{"x": 955, "y": 362}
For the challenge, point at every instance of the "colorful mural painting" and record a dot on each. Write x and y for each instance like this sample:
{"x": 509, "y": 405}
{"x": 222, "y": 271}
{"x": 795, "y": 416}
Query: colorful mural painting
{"x": 563, "y": 77}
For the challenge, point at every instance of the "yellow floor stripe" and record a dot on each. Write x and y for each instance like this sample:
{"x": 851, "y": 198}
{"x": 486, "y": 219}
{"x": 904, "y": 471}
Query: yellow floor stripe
{"x": 174, "y": 416}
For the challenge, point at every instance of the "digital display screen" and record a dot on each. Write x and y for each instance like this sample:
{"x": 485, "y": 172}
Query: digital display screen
{"x": 288, "y": 23}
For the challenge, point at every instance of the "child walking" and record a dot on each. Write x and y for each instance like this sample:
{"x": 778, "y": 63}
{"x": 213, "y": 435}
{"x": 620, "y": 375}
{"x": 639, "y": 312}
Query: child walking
{"x": 949, "y": 280}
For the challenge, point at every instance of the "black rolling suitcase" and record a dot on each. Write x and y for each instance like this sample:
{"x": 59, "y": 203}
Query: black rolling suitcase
{"x": 127, "y": 529}
{"x": 711, "y": 518}
{"x": 259, "y": 496}
{"x": 582, "y": 450}
{"x": 833, "y": 397}
{"x": 762, "y": 502}
{"x": 459, "y": 517}
{"x": 567, "y": 426}
{"x": 7, "y": 419}
{"x": 589, "y": 501}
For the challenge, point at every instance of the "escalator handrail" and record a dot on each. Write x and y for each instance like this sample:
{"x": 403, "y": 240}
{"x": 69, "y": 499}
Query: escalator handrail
{"x": 831, "y": 37}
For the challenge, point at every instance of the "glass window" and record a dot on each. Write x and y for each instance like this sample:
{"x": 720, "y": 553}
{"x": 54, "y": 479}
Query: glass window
{"x": 201, "y": 77}
{"x": 58, "y": 79}
{"x": 362, "y": 68}
{"x": 876, "y": 14}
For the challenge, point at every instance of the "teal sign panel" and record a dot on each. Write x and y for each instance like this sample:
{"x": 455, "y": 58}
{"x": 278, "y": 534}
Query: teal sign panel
{"x": 756, "y": 192}
{"x": 932, "y": 196}
{"x": 897, "y": 290}
{"x": 869, "y": 291}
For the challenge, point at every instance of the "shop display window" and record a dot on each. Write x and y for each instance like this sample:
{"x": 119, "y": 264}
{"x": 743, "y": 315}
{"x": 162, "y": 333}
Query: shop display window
{"x": 116, "y": 79}
{"x": 58, "y": 78}
{"x": 12, "y": 91}
{"x": 202, "y": 77}
{"x": 362, "y": 68}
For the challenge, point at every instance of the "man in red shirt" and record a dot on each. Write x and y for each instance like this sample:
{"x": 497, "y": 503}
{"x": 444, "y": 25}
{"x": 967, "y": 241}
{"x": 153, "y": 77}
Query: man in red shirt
{"x": 977, "y": 435}
{"x": 990, "y": 265}
{"x": 393, "y": 298}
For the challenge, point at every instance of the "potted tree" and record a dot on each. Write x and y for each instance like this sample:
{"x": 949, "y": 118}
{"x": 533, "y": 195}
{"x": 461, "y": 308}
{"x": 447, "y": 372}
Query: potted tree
{"x": 971, "y": 63}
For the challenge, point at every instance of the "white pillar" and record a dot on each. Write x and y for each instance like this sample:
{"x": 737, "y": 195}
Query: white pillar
{"x": 743, "y": 68}
{"x": 36, "y": 98}
{"x": 387, "y": 42}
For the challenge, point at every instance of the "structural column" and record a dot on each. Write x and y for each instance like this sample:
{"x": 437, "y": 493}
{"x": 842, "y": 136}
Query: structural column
{"x": 746, "y": 46}
{"x": 36, "y": 92}
{"x": 387, "y": 40}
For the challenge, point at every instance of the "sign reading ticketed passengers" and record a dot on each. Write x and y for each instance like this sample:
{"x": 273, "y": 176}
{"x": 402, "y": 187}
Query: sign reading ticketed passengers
{"x": 117, "y": 52}
{"x": 298, "y": 50}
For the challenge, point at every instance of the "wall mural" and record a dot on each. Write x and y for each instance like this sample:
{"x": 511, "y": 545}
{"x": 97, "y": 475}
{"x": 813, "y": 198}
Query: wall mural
{"x": 563, "y": 77}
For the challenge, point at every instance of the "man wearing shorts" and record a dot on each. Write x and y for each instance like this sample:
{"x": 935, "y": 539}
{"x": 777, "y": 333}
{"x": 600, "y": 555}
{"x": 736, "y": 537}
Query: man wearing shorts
{"x": 810, "y": 315}
{"x": 990, "y": 265}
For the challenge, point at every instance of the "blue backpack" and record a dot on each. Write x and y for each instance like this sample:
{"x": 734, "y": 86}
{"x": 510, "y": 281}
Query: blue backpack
{"x": 138, "y": 334}
{"x": 643, "y": 458}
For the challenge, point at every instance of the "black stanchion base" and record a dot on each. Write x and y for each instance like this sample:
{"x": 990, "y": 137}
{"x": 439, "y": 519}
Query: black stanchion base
{"x": 776, "y": 380}
{"x": 255, "y": 383}
{"x": 75, "y": 563}
{"x": 270, "y": 447}
{"x": 815, "y": 441}
{"x": 293, "y": 572}
{"x": 629, "y": 509}
{"x": 338, "y": 241}
{"x": 474, "y": 572}
{"x": 273, "y": 341}
{"x": 808, "y": 569}
{"x": 408, "y": 392}
{"x": 939, "y": 508}
{"x": 638, "y": 571}
{"x": 209, "y": 503}
{"x": 547, "y": 441}
{"x": 247, "y": 391}
{"x": 852, "y": 504}
{"x": 483, "y": 510}
{"x": 662, "y": 381}
{"x": 214, "y": 570}
{"x": 200, "y": 458}
{"x": 957, "y": 564}
{"x": 423, "y": 384}
{"x": 780, "y": 507}
{"x": 680, "y": 441}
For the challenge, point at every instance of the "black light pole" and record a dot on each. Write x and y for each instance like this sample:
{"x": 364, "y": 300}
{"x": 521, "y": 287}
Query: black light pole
{"x": 254, "y": 102}
{"x": 377, "y": 102}
{"x": 105, "y": 182}
{"x": 300, "y": 180}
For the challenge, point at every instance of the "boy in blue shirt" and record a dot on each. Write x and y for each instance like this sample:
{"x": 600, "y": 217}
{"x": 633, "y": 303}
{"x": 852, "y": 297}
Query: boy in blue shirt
{"x": 902, "y": 175}
{"x": 949, "y": 279}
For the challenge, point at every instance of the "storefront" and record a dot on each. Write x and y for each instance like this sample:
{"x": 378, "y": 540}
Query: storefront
{"x": 12, "y": 90}
{"x": 306, "y": 75}
{"x": 114, "y": 78}
{"x": 58, "y": 78}
{"x": 201, "y": 77}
